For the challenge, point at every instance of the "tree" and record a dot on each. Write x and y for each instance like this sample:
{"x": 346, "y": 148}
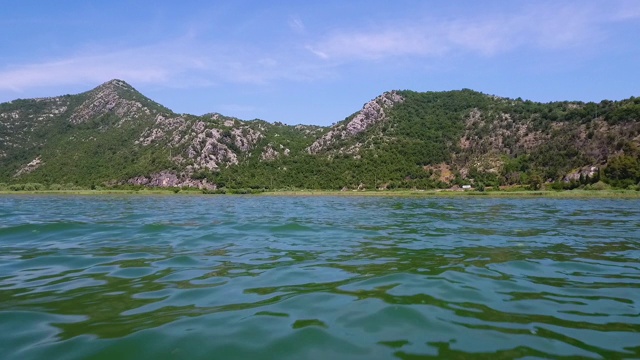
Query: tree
{"x": 623, "y": 171}
{"x": 535, "y": 182}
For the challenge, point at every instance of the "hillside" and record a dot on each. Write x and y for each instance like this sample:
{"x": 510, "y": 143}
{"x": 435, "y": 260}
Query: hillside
{"x": 115, "y": 136}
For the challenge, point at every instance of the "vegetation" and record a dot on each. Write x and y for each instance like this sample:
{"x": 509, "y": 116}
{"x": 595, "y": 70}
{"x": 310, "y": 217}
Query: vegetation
{"x": 432, "y": 140}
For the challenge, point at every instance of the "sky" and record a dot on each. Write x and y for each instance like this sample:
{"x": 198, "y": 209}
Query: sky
{"x": 317, "y": 62}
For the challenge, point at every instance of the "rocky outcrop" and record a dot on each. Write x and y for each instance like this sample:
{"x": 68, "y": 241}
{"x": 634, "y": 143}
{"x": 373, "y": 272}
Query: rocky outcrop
{"x": 586, "y": 172}
{"x": 449, "y": 135}
{"x": 163, "y": 125}
{"x": 107, "y": 99}
{"x": 270, "y": 153}
{"x": 491, "y": 138}
{"x": 206, "y": 144}
{"x": 31, "y": 166}
{"x": 170, "y": 179}
{"x": 245, "y": 138}
{"x": 209, "y": 151}
{"x": 372, "y": 112}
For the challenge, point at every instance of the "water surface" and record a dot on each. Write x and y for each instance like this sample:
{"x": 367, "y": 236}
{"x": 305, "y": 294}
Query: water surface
{"x": 220, "y": 277}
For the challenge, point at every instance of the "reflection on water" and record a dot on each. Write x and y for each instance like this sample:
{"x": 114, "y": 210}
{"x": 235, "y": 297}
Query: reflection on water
{"x": 252, "y": 277}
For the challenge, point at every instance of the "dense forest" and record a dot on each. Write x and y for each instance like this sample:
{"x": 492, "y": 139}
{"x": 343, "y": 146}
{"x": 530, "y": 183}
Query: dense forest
{"x": 113, "y": 136}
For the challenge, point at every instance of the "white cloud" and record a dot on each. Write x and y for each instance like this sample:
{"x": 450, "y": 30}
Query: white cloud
{"x": 296, "y": 24}
{"x": 544, "y": 25}
{"x": 193, "y": 60}
{"x": 169, "y": 64}
{"x": 152, "y": 64}
{"x": 319, "y": 54}
{"x": 375, "y": 45}
{"x": 72, "y": 71}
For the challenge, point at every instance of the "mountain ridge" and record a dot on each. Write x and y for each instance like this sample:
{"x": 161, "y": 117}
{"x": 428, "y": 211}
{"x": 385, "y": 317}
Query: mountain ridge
{"x": 113, "y": 135}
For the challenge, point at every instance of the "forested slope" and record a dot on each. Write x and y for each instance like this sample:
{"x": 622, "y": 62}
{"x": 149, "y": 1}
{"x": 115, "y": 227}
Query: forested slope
{"x": 115, "y": 136}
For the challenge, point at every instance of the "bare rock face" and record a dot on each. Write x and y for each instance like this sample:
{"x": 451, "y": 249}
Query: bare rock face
{"x": 31, "y": 166}
{"x": 170, "y": 179}
{"x": 489, "y": 138}
{"x": 205, "y": 144}
{"x": 208, "y": 149}
{"x": 585, "y": 172}
{"x": 164, "y": 127}
{"x": 371, "y": 113}
{"x": 245, "y": 138}
{"x": 153, "y": 135}
{"x": 105, "y": 99}
{"x": 269, "y": 153}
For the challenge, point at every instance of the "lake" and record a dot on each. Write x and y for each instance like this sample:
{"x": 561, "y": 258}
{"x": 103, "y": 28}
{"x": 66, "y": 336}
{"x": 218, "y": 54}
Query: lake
{"x": 233, "y": 277}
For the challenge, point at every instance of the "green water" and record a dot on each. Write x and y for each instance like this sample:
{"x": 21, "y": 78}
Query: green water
{"x": 318, "y": 278}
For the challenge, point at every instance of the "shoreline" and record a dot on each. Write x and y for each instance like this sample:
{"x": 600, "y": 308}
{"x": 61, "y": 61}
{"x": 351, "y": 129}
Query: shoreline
{"x": 564, "y": 194}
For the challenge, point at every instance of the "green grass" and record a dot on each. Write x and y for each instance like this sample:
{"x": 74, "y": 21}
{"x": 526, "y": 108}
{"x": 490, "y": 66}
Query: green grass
{"x": 626, "y": 194}
{"x": 566, "y": 194}
{"x": 165, "y": 191}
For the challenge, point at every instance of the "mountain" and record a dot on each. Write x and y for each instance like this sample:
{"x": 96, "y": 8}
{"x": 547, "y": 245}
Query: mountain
{"x": 115, "y": 136}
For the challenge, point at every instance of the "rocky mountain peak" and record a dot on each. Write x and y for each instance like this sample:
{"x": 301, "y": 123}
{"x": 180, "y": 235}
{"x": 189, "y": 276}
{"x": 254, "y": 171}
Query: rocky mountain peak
{"x": 400, "y": 138}
{"x": 115, "y": 84}
{"x": 114, "y": 96}
{"x": 371, "y": 113}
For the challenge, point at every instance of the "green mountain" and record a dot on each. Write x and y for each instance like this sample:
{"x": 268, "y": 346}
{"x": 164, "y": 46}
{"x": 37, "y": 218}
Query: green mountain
{"x": 115, "y": 136}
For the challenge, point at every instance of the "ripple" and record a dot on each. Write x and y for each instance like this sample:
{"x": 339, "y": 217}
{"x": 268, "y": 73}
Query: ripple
{"x": 253, "y": 277}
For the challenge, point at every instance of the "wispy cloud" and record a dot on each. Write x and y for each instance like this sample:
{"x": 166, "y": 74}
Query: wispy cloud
{"x": 378, "y": 44}
{"x": 296, "y": 24}
{"x": 541, "y": 26}
{"x": 195, "y": 60}
{"x": 172, "y": 63}
{"x": 148, "y": 64}
{"x": 626, "y": 10}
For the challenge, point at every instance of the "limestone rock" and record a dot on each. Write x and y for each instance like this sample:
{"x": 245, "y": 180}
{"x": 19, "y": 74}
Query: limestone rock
{"x": 170, "y": 179}
{"x": 31, "y": 166}
{"x": 107, "y": 99}
{"x": 371, "y": 113}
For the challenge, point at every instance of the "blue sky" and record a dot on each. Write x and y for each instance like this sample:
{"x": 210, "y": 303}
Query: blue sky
{"x": 316, "y": 62}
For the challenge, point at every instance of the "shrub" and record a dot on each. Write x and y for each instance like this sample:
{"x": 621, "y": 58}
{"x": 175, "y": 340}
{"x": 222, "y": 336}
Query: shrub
{"x": 600, "y": 185}
{"x": 33, "y": 187}
{"x": 26, "y": 187}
